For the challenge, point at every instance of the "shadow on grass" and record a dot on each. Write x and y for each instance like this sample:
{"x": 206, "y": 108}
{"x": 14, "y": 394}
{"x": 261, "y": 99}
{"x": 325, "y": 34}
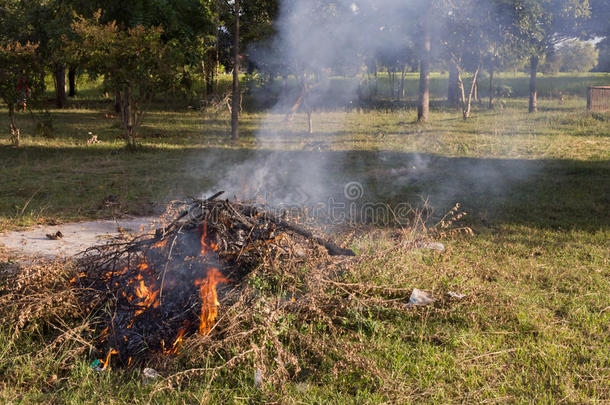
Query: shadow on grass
{"x": 73, "y": 182}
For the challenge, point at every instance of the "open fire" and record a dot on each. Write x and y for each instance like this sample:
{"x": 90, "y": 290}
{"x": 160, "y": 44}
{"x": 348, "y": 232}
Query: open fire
{"x": 209, "y": 299}
{"x": 153, "y": 292}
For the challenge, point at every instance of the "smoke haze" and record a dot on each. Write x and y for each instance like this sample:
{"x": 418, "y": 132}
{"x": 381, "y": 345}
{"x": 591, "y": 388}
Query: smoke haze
{"x": 314, "y": 40}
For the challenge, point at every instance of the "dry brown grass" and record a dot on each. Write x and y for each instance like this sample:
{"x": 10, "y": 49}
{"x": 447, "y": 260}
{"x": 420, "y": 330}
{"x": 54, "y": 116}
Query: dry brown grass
{"x": 36, "y": 300}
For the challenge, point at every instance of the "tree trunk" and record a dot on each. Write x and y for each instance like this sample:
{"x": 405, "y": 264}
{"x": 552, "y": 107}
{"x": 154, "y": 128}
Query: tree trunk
{"x": 423, "y": 106}
{"x": 491, "y": 89}
{"x": 284, "y": 86}
{"x": 60, "y": 85}
{"x": 295, "y": 107}
{"x": 72, "y": 81}
{"x": 392, "y": 74}
{"x": 217, "y": 68}
{"x": 466, "y": 111}
{"x": 217, "y": 46}
{"x": 376, "y": 88}
{"x": 43, "y": 79}
{"x": 452, "y": 89}
{"x": 126, "y": 117}
{"x": 117, "y": 102}
{"x": 476, "y": 90}
{"x": 203, "y": 75}
{"x": 236, "y": 95}
{"x": 309, "y": 122}
{"x": 210, "y": 80}
{"x": 15, "y": 133}
{"x": 402, "y": 84}
{"x": 396, "y": 85}
{"x": 461, "y": 91}
{"x": 533, "y": 107}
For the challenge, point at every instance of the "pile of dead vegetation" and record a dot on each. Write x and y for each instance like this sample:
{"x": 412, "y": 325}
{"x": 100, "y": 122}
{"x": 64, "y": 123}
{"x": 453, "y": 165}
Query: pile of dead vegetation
{"x": 222, "y": 284}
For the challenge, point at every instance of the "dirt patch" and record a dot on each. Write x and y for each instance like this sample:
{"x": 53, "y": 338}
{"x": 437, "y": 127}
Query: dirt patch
{"x": 76, "y": 237}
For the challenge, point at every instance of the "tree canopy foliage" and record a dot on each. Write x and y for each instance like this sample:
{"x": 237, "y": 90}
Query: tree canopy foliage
{"x": 135, "y": 63}
{"x": 20, "y": 78}
{"x": 153, "y": 45}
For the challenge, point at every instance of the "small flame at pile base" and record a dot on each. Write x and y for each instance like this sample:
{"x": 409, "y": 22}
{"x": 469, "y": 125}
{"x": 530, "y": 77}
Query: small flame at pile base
{"x": 106, "y": 363}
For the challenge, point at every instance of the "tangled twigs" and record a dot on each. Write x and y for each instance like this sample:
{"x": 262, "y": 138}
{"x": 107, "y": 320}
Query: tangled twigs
{"x": 157, "y": 290}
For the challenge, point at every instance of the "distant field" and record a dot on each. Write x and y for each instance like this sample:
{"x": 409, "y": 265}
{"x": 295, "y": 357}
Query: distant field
{"x": 548, "y": 86}
{"x": 66, "y": 178}
{"x": 569, "y": 84}
{"x": 536, "y": 322}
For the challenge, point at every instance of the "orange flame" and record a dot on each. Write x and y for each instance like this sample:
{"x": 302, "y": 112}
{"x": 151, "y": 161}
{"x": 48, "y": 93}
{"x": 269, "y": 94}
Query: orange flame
{"x": 79, "y": 275}
{"x": 109, "y": 275}
{"x": 145, "y": 296}
{"x": 209, "y": 299}
{"x": 106, "y": 364}
{"x": 104, "y": 334}
{"x": 161, "y": 243}
{"x": 175, "y": 349}
{"x": 148, "y": 298}
{"x": 205, "y": 247}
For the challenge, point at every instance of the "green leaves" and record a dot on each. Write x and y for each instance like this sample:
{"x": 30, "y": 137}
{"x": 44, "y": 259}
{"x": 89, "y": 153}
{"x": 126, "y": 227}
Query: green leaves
{"x": 136, "y": 56}
{"x": 19, "y": 63}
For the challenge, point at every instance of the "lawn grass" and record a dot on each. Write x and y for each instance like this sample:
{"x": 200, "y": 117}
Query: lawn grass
{"x": 534, "y": 326}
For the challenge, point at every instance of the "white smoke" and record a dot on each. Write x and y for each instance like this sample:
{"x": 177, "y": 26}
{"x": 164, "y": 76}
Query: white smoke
{"x": 314, "y": 39}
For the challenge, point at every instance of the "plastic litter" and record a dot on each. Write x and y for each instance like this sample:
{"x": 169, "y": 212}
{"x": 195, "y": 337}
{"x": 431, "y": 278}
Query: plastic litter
{"x": 420, "y": 298}
{"x": 96, "y": 365}
{"x": 434, "y": 246}
{"x": 258, "y": 377}
{"x": 456, "y": 295}
{"x": 150, "y": 374}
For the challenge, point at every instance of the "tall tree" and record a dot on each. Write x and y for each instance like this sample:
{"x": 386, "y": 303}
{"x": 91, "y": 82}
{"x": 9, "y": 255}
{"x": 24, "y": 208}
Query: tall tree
{"x": 577, "y": 56}
{"x": 194, "y": 25}
{"x": 540, "y": 25}
{"x": 475, "y": 34}
{"x": 51, "y": 22}
{"x": 598, "y": 27}
{"x": 136, "y": 64}
{"x": 20, "y": 79}
{"x": 430, "y": 13}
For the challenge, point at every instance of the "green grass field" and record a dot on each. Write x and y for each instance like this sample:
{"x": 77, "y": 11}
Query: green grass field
{"x": 534, "y": 327}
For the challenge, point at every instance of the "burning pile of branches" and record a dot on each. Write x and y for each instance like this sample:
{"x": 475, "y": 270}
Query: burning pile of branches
{"x": 222, "y": 289}
{"x": 152, "y": 292}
